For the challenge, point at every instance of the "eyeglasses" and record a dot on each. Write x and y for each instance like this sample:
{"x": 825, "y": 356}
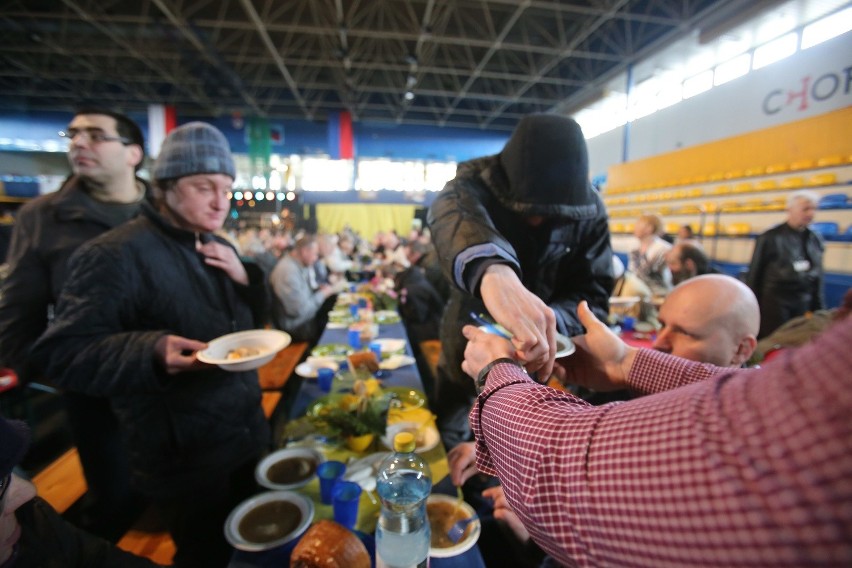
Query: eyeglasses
{"x": 94, "y": 135}
{"x": 4, "y": 488}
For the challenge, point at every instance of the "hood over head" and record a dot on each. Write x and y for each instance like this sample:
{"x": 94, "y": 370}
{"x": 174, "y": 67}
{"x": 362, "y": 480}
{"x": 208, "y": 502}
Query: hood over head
{"x": 546, "y": 164}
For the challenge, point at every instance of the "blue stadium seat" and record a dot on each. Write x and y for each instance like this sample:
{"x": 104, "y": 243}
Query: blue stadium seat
{"x": 827, "y": 229}
{"x": 834, "y": 201}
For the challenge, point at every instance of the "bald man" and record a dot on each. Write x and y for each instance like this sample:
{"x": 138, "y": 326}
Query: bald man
{"x": 712, "y": 319}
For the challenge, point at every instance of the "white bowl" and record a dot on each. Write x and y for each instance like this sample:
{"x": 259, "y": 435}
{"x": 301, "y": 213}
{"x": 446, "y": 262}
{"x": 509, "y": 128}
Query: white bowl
{"x": 390, "y": 346}
{"x": 239, "y": 541}
{"x": 427, "y": 437}
{"x": 268, "y": 341}
{"x": 261, "y": 472}
{"x": 309, "y": 368}
{"x": 463, "y": 545}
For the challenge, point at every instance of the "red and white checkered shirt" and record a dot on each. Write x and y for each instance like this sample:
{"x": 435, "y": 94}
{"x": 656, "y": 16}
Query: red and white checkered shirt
{"x": 747, "y": 468}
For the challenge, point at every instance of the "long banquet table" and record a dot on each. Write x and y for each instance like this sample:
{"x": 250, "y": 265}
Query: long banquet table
{"x": 309, "y": 391}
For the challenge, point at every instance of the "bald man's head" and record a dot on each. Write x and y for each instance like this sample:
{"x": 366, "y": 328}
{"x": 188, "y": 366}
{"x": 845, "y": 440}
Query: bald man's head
{"x": 712, "y": 319}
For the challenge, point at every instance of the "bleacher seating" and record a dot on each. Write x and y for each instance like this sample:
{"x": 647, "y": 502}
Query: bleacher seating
{"x": 834, "y": 201}
{"x": 825, "y": 228}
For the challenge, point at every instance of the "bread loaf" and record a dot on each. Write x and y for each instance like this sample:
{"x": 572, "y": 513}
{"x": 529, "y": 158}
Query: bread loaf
{"x": 329, "y": 545}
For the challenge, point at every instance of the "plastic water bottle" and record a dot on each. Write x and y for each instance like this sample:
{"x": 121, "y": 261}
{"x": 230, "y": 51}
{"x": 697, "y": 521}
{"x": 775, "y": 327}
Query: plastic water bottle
{"x": 404, "y": 482}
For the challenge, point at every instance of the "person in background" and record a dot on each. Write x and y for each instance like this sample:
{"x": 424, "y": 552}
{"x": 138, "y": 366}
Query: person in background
{"x": 693, "y": 474}
{"x": 105, "y": 150}
{"x": 298, "y": 308}
{"x": 32, "y": 533}
{"x": 331, "y": 256}
{"x": 721, "y": 332}
{"x": 522, "y": 235}
{"x": 648, "y": 259}
{"x": 685, "y": 233}
{"x": 686, "y": 260}
{"x": 139, "y": 303}
{"x": 786, "y": 271}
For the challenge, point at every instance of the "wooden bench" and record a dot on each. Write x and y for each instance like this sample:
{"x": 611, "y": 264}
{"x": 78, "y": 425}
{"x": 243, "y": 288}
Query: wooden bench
{"x": 431, "y": 352}
{"x": 274, "y": 375}
{"x": 62, "y": 483}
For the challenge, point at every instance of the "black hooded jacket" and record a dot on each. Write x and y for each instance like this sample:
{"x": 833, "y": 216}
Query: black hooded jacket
{"x": 478, "y": 220}
{"x": 128, "y": 288}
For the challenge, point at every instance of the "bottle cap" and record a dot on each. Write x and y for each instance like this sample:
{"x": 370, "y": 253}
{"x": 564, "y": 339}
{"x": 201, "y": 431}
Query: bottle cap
{"x": 404, "y": 442}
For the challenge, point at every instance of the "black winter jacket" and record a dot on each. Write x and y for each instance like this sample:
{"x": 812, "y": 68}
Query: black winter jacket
{"x": 127, "y": 289}
{"x": 47, "y": 231}
{"x": 48, "y": 541}
{"x": 775, "y": 273}
{"x": 564, "y": 261}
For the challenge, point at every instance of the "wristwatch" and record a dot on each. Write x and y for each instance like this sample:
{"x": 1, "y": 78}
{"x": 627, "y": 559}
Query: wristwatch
{"x": 483, "y": 374}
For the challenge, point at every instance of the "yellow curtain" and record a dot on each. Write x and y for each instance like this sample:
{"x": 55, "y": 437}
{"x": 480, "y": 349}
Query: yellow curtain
{"x": 366, "y": 218}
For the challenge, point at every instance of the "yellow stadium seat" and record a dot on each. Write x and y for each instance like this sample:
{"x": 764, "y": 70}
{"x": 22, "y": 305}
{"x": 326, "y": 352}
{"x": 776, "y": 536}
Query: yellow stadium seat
{"x": 777, "y": 168}
{"x": 734, "y": 174}
{"x": 700, "y": 179}
{"x": 755, "y": 171}
{"x": 616, "y": 227}
{"x": 753, "y": 204}
{"x": 793, "y": 182}
{"x": 777, "y": 204}
{"x": 744, "y": 187}
{"x": 628, "y": 227}
{"x": 689, "y": 210}
{"x": 680, "y": 194}
{"x": 695, "y": 192}
{"x": 730, "y": 206}
{"x": 805, "y": 164}
{"x": 671, "y": 228}
{"x": 665, "y": 210}
{"x": 822, "y": 179}
{"x": 827, "y": 161}
{"x": 709, "y": 230}
{"x": 722, "y": 189}
{"x": 766, "y": 185}
{"x": 710, "y": 206}
{"x": 737, "y": 229}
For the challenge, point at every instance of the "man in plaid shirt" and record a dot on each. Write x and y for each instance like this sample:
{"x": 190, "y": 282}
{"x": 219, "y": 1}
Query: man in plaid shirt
{"x": 734, "y": 468}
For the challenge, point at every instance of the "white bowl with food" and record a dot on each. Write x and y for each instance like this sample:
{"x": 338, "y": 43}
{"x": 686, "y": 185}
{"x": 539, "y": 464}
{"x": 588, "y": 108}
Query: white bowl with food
{"x": 268, "y": 520}
{"x": 426, "y": 435}
{"x": 288, "y": 468}
{"x": 244, "y": 350}
{"x": 444, "y": 511}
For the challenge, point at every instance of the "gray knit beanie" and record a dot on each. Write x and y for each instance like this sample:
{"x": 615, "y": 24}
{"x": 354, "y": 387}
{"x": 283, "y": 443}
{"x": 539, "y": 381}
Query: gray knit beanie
{"x": 194, "y": 148}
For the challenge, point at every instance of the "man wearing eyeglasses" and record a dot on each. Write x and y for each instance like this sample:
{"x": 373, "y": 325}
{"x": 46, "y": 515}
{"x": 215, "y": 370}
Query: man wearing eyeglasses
{"x": 105, "y": 150}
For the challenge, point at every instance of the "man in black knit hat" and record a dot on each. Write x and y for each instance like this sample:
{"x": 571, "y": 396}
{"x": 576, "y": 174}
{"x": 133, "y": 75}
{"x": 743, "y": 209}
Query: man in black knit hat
{"x": 522, "y": 235}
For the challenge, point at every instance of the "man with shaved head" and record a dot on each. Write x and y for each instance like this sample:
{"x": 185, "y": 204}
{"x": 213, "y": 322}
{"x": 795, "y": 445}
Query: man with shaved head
{"x": 712, "y": 319}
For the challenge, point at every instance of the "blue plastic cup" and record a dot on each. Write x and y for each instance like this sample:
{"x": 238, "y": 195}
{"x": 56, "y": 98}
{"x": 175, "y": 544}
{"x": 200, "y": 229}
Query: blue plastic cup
{"x": 329, "y": 474}
{"x": 629, "y": 322}
{"x": 353, "y": 310}
{"x": 376, "y": 348}
{"x": 345, "y": 498}
{"x": 325, "y": 377}
{"x": 354, "y": 338}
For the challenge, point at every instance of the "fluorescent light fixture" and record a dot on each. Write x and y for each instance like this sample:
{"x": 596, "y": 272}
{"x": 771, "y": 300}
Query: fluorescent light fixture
{"x": 827, "y": 28}
{"x": 775, "y": 50}
{"x": 697, "y": 84}
{"x": 730, "y": 70}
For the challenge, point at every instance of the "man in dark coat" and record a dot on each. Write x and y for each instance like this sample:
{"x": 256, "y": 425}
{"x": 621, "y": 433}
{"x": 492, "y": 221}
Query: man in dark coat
{"x": 522, "y": 235}
{"x": 32, "y": 533}
{"x": 105, "y": 150}
{"x": 139, "y": 303}
{"x": 786, "y": 271}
